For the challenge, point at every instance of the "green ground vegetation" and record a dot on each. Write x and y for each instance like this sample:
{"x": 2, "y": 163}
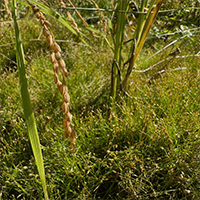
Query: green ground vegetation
{"x": 147, "y": 147}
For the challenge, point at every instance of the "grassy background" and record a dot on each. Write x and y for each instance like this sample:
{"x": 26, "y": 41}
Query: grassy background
{"x": 149, "y": 149}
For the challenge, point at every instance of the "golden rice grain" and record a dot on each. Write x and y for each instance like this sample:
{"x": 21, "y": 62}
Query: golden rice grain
{"x": 46, "y": 23}
{"x": 73, "y": 132}
{"x": 46, "y": 32}
{"x": 59, "y": 85}
{"x": 55, "y": 67}
{"x": 65, "y": 72}
{"x": 61, "y": 63}
{"x": 67, "y": 133}
{"x": 37, "y": 14}
{"x": 66, "y": 97}
{"x": 42, "y": 22}
{"x": 68, "y": 117}
{"x": 52, "y": 57}
{"x": 65, "y": 107}
{"x": 72, "y": 139}
{"x": 66, "y": 125}
{"x": 58, "y": 55}
{"x": 55, "y": 78}
{"x": 64, "y": 88}
{"x": 41, "y": 15}
{"x": 55, "y": 47}
{"x": 46, "y": 27}
{"x": 49, "y": 39}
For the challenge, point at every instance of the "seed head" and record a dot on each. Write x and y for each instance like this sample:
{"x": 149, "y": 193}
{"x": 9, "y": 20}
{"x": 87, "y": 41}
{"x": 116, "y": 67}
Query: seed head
{"x": 58, "y": 63}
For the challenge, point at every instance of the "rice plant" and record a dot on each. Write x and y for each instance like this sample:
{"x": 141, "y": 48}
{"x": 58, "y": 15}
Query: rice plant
{"x": 146, "y": 17}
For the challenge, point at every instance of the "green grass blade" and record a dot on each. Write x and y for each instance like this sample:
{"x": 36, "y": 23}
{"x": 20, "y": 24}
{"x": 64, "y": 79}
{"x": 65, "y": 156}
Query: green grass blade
{"x": 141, "y": 20}
{"x": 28, "y": 114}
{"x": 151, "y": 15}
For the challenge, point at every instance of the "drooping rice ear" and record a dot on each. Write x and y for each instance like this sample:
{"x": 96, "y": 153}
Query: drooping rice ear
{"x": 58, "y": 62}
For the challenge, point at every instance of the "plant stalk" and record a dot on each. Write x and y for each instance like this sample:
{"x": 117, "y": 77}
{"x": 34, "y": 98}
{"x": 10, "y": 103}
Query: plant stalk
{"x": 121, "y": 21}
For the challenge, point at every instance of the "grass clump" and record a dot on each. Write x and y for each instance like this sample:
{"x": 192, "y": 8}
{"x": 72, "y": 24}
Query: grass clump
{"x": 148, "y": 149}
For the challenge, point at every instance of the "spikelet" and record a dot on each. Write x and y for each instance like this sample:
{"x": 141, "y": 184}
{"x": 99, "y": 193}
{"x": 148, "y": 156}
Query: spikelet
{"x": 58, "y": 63}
